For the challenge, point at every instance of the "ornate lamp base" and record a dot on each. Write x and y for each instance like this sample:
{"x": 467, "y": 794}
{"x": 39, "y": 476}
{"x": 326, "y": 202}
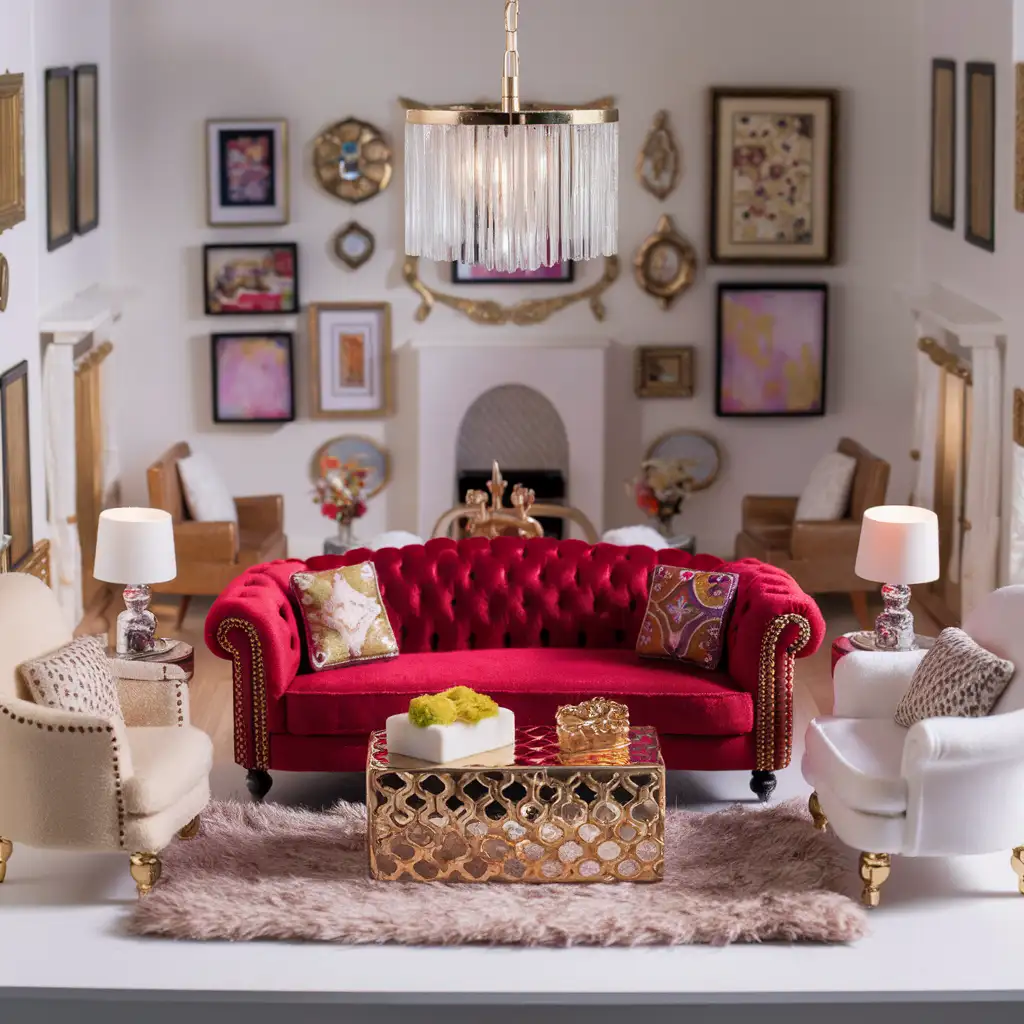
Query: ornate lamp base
{"x": 894, "y": 628}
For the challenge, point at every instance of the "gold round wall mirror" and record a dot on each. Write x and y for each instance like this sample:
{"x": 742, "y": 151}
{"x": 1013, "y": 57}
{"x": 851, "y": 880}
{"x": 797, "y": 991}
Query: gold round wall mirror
{"x": 5, "y": 281}
{"x": 698, "y": 452}
{"x": 355, "y": 450}
{"x": 353, "y": 245}
{"x": 666, "y": 264}
{"x": 352, "y": 161}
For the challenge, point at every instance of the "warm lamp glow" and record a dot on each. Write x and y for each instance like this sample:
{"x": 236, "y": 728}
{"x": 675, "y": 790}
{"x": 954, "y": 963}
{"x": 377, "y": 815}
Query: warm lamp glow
{"x": 898, "y": 544}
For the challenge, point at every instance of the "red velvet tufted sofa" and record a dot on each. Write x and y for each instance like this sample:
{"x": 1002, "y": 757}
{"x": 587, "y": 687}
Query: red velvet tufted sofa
{"x": 535, "y": 623}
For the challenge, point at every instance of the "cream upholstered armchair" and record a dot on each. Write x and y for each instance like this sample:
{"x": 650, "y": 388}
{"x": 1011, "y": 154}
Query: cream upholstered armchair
{"x": 80, "y": 781}
{"x": 943, "y": 787}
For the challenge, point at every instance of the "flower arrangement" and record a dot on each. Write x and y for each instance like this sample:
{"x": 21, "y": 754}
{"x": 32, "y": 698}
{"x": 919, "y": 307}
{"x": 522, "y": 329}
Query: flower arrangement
{"x": 660, "y": 488}
{"x": 339, "y": 491}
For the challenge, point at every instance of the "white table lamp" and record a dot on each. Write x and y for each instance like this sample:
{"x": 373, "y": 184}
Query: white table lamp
{"x": 135, "y": 547}
{"x": 899, "y": 546}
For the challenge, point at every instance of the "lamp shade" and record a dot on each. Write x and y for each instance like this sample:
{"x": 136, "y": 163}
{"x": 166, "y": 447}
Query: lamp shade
{"x": 135, "y": 545}
{"x": 898, "y": 544}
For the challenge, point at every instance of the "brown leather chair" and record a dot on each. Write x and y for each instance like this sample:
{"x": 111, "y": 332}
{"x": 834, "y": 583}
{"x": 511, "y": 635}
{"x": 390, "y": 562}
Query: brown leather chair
{"x": 210, "y": 555}
{"x": 820, "y": 555}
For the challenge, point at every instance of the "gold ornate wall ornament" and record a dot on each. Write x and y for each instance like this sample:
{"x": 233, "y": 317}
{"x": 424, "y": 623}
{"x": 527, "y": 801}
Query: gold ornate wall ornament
{"x": 12, "y": 150}
{"x": 353, "y": 245}
{"x": 1018, "y": 416}
{"x": 524, "y": 314}
{"x": 665, "y": 265}
{"x": 352, "y": 161}
{"x": 659, "y": 161}
{"x": 1019, "y": 165}
{"x": 5, "y": 281}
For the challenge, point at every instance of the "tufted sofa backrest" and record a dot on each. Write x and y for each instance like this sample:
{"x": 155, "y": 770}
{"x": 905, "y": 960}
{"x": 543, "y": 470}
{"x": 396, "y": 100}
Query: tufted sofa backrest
{"x": 508, "y": 592}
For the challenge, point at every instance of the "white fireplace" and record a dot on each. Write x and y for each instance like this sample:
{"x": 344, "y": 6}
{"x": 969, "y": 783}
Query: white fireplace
{"x": 453, "y": 373}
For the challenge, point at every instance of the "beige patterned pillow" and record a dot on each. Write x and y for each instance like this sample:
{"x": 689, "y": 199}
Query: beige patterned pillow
{"x": 75, "y": 677}
{"x": 346, "y": 621}
{"x": 956, "y": 678}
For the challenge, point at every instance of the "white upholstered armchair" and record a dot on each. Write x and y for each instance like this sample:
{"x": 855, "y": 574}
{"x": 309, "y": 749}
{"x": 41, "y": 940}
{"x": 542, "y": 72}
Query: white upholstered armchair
{"x": 81, "y": 781}
{"x": 943, "y": 787}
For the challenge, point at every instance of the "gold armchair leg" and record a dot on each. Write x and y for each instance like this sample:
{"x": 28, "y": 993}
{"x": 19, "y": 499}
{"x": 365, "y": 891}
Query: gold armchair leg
{"x": 6, "y": 849}
{"x": 874, "y": 870}
{"x": 1016, "y": 862}
{"x": 145, "y": 871}
{"x": 191, "y": 830}
{"x": 814, "y": 806}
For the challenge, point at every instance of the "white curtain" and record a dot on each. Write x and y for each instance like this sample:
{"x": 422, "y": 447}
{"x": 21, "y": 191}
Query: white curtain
{"x": 1017, "y": 516}
{"x": 926, "y": 422}
{"x": 65, "y": 552}
{"x": 111, "y": 454}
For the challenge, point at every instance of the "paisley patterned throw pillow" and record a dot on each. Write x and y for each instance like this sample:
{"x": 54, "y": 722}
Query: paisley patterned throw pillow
{"x": 75, "y": 677}
{"x": 346, "y": 621}
{"x": 956, "y": 678}
{"x": 686, "y": 614}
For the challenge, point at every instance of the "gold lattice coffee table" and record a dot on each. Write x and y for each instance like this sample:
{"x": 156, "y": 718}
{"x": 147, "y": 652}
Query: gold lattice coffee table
{"x": 518, "y": 815}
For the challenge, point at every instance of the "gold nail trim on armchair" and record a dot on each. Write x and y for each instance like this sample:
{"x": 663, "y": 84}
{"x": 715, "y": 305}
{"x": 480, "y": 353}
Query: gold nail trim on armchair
{"x": 766, "y": 709}
{"x": 258, "y": 689}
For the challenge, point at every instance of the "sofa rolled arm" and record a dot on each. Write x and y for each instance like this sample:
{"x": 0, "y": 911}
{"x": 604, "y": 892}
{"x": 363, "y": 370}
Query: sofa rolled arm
{"x": 773, "y": 623}
{"x": 252, "y": 623}
{"x": 951, "y": 741}
{"x": 205, "y": 542}
{"x": 65, "y": 773}
{"x": 262, "y": 512}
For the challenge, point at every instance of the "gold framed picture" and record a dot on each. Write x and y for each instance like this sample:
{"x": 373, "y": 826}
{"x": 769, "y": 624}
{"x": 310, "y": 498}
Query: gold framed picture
{"x": 664, "y": 372}
{"x": 980, "y": 200}
{"x": 350, "y": 360}
{"x": 943, "y": 142}
{"x": 87, "y": 148}
{"x": 12, "y": 150}
{"x": 15, "y": 458}
{"x": 60, "y": 179}
{"x": 773, "y": 175}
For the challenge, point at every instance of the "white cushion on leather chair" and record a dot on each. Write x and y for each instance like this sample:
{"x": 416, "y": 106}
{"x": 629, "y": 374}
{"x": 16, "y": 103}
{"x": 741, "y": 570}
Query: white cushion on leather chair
{"x": 168, "y": 762}
{"x": 827, "y": 494}
{"x": 206, "y": 494}
{"x": 861, "y": 759}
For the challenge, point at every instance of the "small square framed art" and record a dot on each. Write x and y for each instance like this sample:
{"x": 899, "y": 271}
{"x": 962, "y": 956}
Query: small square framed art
{"x": 246, "y": 172}
{"x": 253, "y": 377}
{"x": 663, "y": 372}
{"x": 350, "y": 359}
{"x": 771, "y": 349}
{"x": 251, "y": 279}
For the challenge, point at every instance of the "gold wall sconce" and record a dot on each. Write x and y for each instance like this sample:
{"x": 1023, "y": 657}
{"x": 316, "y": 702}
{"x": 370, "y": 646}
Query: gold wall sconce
{"x": 665, "y": 265}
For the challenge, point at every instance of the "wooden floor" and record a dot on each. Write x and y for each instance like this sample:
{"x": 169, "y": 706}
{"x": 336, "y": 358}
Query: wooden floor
{"x": 210, "y": 693}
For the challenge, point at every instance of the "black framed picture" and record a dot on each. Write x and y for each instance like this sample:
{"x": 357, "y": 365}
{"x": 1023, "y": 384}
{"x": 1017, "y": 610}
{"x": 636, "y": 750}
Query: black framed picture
{"x": 256, "y": 278}
{"x": 246, "y": 172}
{"x": 253, "y": 377}
{"x": 980, "y": 199}
{"x": 87, "y": 148}
{"x": 943, "y": 142}
{"x": 771, "y": 349}
{"x": 16, "y": 461}
{"x": 473, "y": 273}
{"x": 60, "y": 174}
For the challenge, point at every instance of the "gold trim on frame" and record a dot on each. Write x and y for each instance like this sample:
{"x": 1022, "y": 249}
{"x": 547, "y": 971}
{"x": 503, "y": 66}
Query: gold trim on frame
{"x": 1018, "y": 417}
{"x": 659, "y": 145}
{"x": 708, "y": 481}
{"x": 314, "y": 465}
{"x": 944, "y": 359}
{"x": 12, "y": 150}
{"x": 664, "y": 237}
{"x": 5, "y": 281}
{"x": 655, "y": 389}
{"x": 285, "y": 183}
{"x": 318, "y": 413}
{"x": 376, "y": 162}
{"x": 524, "y": 314}
{"x": 1019, "y": 161}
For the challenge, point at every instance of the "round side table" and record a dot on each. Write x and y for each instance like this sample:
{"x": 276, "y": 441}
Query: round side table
{"x": 181, "y": 654}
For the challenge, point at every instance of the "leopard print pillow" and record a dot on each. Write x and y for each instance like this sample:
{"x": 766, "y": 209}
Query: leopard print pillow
{"x": 956, "y": 678}
{"x": 75, "y": 677}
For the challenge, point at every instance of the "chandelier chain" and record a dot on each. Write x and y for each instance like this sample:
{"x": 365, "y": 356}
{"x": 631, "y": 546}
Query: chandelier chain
{"x": 510, "y": 77}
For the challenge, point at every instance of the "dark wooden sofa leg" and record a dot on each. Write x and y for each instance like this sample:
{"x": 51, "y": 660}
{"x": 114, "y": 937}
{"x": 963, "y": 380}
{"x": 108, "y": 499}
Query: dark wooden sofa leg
{"x": 258, "y": 782}
{"x": 762, "y": 784}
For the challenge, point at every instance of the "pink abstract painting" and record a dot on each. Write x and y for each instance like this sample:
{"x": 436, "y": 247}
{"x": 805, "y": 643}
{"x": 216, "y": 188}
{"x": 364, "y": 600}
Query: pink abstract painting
{"x": 253, "y": 378}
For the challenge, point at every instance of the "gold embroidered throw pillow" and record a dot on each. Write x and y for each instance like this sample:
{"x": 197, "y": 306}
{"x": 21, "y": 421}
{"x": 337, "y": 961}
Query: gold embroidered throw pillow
{"x": 346, "y": 621}
{"x": 75, "y": 677}
{"x": 956, "y": 678}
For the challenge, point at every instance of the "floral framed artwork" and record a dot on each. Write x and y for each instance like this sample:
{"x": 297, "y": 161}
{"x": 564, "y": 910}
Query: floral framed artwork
{"x": 772, "y": 349}
{"x": 943, "y": 143}
{"x": 251, "y": 279}
{"x": 980, "y": 205}
{"x": 474, "y": 273}
{"x": 253, "y": 378}
{"x": 773, "y": 175}
{"x": 246, "y": 172}
{"x": 87, "y": 148}
{"x": 60, "y": 176}
{"x": 350, "y": 359}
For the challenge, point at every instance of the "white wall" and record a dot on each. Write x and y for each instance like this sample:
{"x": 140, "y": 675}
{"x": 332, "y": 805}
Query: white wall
{"x": 966, "y": 30}
{"x": 316, "y": 61}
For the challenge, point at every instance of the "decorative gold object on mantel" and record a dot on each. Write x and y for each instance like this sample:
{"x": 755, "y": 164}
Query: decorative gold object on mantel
{"x": 666, "y": 264}
{"x": 352, "y": 161}
{"x": 489, "y": 518}
{"x": 596, "y": 731}
{"x": 1018, "y": 417}
{"x": 5, "y": 281}
{"x": 12, "y": 150}
{"x": 658, "y": 162}
{"x": 1019, "y": 158}
{"x": 524, "y": 314}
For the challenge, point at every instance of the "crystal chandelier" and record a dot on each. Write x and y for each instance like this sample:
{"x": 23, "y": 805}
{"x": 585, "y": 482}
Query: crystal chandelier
{"x": 511, "y": 187}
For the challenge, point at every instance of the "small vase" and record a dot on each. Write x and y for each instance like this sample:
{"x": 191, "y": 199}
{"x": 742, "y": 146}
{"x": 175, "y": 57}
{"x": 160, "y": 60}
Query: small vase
{"x": 344, "y": 535}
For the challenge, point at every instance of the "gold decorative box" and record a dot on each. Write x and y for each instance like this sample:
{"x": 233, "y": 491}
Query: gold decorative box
{"x": 518, "y": 814}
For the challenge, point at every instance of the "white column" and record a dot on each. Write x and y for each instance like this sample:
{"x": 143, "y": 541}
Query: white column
{"x": 1016, "y": 553}
{"x": 982, "y": 502}
{"x": 111, "y": 453}
{"x": 61, "y": 475}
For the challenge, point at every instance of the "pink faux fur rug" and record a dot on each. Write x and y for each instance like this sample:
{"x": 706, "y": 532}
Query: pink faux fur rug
{"x": 264, "y": 871}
